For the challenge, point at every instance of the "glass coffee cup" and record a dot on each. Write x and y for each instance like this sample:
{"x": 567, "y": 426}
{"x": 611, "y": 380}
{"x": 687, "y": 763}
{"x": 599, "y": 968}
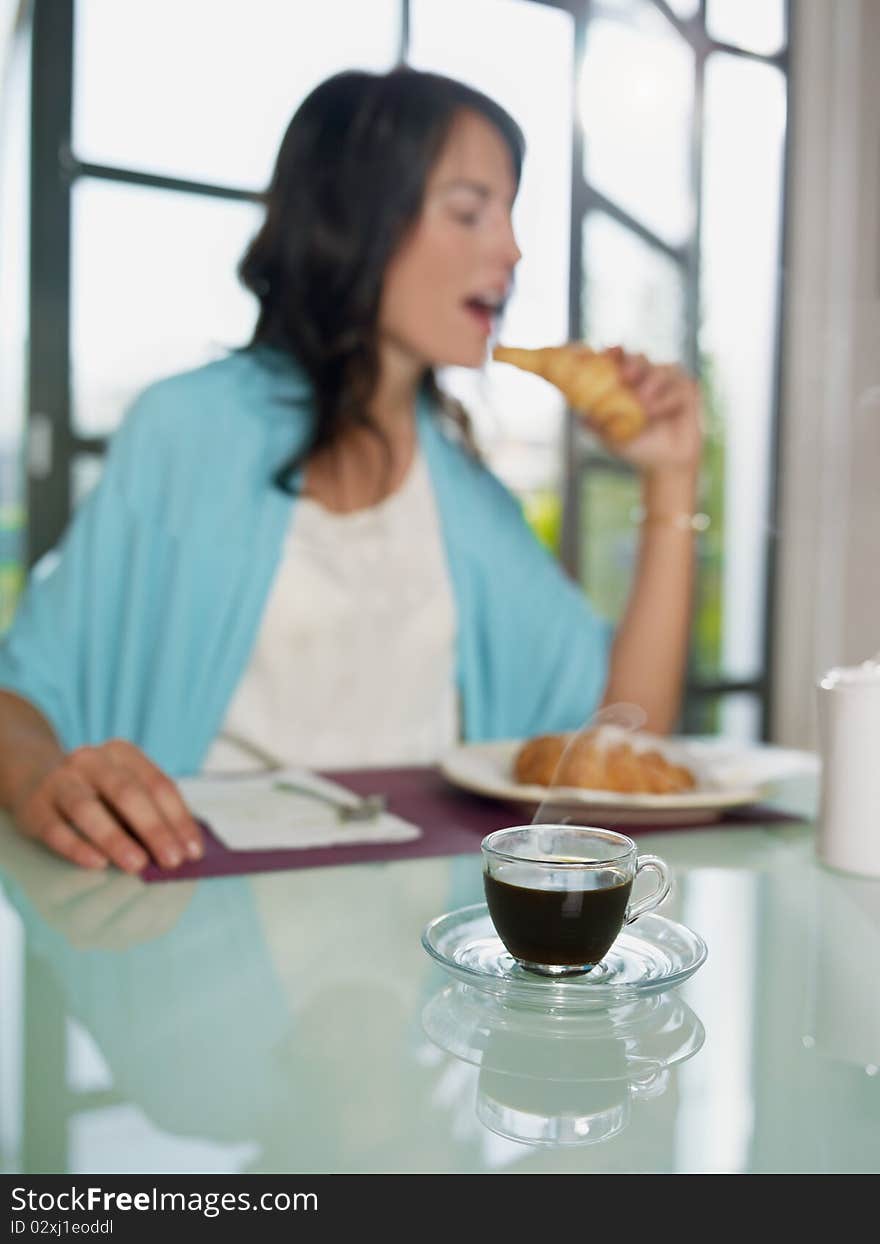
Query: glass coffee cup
{"x": 559, "y": 895}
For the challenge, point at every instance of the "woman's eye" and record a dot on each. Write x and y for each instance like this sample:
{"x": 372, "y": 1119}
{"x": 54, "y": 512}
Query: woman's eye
{"x": 466, "y": 217}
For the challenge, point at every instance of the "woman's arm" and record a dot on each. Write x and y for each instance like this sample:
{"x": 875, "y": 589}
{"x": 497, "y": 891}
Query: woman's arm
{"x": 649, "y": 655}
{"x": 28, "y": 748}
{"x": 94, "y": 805}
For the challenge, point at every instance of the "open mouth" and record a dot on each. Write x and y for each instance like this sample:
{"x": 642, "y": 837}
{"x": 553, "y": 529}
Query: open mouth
{"x": 485, "y": 310}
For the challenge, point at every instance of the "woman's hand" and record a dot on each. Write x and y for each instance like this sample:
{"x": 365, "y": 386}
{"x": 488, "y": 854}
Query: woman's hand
{"x": 109, "y": 804}
{"x": 672, "y": 442}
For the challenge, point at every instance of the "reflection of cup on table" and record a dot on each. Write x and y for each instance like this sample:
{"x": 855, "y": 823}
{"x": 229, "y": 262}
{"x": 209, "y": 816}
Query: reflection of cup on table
{"x": 562, "y": 1080}
{"x": 849, "y": 725}
{"x": 558, "y": 895}
{"x": 565, "y": 1108}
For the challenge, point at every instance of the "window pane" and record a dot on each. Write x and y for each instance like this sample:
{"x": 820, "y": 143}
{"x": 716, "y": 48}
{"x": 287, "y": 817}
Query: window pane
{"x": 636, "y": 102}
{"x": 609, "y": 537}
{"x": 518, "y": 417}
{"x": 708, "y": 623}
{"x": 11, "y": 562}
{"x": 741, "y": 717}
{"x": 744, "y": 131}
{"x": 205, "y": 89}
{"x": 756, "y": 25}
{"x": 735, "y": 716}
{"x": 154, "y": 290}
{"x": 634, "y": 294}
{"x": 608, "y": 546}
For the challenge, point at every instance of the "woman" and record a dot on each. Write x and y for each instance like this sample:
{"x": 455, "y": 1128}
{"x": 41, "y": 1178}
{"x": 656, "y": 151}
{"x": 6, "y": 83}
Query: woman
{"x": 295, "y": 548}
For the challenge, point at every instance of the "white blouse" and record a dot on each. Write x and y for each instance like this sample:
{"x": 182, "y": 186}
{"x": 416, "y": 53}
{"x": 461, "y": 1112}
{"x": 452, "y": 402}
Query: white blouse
{"x": 354, "y": 663}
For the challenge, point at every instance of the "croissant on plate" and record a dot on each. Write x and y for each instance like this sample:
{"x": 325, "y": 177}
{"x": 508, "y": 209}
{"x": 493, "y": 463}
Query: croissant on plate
{"x": 589, "y": 381}
{"x": 594, "y": 762}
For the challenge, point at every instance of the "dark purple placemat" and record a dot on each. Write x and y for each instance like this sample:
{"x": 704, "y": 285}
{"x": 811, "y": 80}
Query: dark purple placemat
{"x": 452, "y": 821}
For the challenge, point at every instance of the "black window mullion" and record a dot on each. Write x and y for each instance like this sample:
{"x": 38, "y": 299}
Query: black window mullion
{"x": 405, "y": 15}
{"x": 690, "y": 28}
{"x": 778, "y": 59}
{"x": 693, "y": 698}
{"x": 694, "y": 285}
{"x": 595, "y": 200}
{"x": 600, "y": 463}
{"x": 694, "y": 30}
{"x": 48, "y": 403}
{"x": 705, "y": 689}
{"x": 771, "y": 582}
{"x": 88, "y": 444}
{"x": 573, "y": 482}
{"x": 75, "y": 168}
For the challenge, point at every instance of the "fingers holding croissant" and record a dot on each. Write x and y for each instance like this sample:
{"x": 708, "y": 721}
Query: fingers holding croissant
{"x": 663, "y": 389}
{"x": 653, "y": 384}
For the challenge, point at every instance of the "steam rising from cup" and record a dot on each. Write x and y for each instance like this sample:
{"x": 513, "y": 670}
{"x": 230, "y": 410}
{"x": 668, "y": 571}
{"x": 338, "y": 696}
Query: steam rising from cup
{"x": 625, "y": 717}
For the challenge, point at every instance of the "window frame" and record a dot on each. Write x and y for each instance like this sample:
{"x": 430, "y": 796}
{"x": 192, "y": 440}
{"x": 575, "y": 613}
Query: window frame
{"x": 582, "y": 464}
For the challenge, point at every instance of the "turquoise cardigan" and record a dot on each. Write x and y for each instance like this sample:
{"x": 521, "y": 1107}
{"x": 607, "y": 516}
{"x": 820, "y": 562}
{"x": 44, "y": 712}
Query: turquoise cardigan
{"x": 141, "y": 623}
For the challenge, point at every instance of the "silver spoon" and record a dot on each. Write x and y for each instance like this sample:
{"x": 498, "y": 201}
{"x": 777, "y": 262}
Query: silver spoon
{"x": 365, "y": 809}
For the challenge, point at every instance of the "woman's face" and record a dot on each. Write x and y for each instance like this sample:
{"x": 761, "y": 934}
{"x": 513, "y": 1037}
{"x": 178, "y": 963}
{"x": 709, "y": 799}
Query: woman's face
{"x": 444, "y": 287}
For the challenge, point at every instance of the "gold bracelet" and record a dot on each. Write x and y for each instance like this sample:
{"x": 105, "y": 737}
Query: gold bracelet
{"x": 683, "y": 521}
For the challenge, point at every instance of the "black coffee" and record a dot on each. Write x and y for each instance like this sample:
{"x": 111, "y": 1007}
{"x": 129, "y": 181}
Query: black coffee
{"x": 562, "y": 927}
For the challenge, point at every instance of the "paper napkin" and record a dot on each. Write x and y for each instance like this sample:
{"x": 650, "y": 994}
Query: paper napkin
{"x": 252, "y": 814}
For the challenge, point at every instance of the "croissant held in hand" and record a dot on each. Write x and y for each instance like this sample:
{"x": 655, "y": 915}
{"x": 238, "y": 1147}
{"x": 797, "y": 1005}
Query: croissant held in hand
{"x": 589, "y": 381}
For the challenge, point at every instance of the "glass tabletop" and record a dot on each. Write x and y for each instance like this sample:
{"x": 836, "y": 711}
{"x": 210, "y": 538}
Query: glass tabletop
{"x": 292, "y": 1022}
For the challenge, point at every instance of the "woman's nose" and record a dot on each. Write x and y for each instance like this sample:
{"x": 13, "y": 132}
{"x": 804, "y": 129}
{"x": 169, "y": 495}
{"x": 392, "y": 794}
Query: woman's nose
{"x": 507, "y": 252}
{"x": 512, "y": 252}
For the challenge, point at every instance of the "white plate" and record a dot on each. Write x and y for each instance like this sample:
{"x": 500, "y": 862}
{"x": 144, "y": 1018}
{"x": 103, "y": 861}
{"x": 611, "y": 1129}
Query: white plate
{"x": 729, "y": 775}
{"x": 651, "y": 955}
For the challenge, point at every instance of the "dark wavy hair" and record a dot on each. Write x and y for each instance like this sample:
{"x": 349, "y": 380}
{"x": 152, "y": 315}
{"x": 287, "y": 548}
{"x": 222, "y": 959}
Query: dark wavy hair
{"x": 348, "y": 184}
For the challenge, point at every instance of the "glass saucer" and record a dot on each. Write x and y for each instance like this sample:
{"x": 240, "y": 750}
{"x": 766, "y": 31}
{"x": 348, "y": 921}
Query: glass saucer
{"x": 649, "y": 956}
